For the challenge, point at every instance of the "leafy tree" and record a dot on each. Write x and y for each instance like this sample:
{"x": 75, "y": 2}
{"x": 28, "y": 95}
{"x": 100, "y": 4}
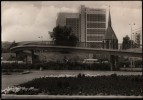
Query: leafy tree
{"x": 62, "y": 36}
{"x": 126, "y": 42}
{"x": 5, "y": 47}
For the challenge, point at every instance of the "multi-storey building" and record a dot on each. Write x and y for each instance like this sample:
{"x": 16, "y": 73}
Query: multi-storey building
{"x": 69, "y": 20}
{"x": 93, "y": 26}
{"x": 89, "y": 25}
{"x": 137, "y": 37}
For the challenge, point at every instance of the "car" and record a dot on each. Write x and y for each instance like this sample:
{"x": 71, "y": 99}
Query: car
{"x": 105, "y": 61}
{"x": 90, "y": 61}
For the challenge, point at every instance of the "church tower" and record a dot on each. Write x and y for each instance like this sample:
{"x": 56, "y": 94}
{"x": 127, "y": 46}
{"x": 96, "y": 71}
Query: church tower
{"x": 110, "y": 40}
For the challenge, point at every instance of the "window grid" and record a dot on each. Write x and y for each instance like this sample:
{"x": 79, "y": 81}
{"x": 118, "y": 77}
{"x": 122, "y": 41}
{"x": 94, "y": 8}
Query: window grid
{"x": 96, "y": 25}
{"x": 94, "y": 38}
{"x": 95, "y": 31}
{"x": 96, "y": 17}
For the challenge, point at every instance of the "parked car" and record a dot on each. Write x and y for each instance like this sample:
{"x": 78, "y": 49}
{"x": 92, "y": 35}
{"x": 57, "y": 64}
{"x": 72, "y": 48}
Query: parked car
{"x": 90, "y": 61}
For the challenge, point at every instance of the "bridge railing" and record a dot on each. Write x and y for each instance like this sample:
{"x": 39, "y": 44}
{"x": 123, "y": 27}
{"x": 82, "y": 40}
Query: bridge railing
{"x": 63, "y": 43}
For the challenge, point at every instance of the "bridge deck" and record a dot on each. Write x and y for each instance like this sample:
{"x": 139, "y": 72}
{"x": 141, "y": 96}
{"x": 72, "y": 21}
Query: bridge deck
{"x": 135, "y": 53}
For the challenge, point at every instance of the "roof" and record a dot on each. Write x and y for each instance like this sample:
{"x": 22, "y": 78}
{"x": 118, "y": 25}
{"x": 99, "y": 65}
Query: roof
{"x": 110, "y": 34}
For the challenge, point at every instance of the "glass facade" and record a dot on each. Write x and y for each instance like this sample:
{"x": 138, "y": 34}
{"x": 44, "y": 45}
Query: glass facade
{"x": 89, "y": 24}
{"x": 95, "y": 24}
{"x": 96, "y": 31}
{"x": 96, "y": 17}
{"x": 74, "y": 24}
{"x": 94, "y": 38}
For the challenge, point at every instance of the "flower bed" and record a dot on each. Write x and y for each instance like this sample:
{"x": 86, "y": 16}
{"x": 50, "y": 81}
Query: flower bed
{"x": 20, "y": 90}
{"x": 88, "y": 85}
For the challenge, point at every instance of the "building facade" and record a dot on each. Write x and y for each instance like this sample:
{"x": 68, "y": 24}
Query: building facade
{"x": 89, "y": 25}
{"x": 137, "y": 37}
{"x": 69, "y": 20}
{"x": 93, "y": 26}
{"x": 110, "y": 40}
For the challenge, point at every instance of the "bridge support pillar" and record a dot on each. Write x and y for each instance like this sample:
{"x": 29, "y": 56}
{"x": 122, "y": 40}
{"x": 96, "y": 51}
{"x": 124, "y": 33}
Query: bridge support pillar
{"x": 26, "y": 59}
{"x": 113, "y": 61}
{"x": 132, "y": 62}
{"x": 17, "y": 57}
{"x": 32, "y": 56}
{"x": 116, "y": 62}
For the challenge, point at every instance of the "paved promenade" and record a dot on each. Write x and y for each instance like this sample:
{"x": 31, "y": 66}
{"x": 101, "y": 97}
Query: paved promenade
{"x": 67, "y": 97}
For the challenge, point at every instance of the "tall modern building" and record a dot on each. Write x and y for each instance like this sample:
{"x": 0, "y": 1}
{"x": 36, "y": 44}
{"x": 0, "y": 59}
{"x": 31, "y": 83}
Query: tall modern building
{"x": 69, "y": 20}
{"x": 93, "y": 26}
{"x": 89, "y": 25}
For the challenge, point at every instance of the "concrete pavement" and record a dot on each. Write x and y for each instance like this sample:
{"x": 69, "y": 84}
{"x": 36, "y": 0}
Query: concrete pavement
{"x": 68, "y": 97}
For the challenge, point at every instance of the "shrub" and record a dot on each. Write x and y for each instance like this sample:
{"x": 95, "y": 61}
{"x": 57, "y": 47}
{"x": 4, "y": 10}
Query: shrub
{"x": 81, "y": 75}
{"x": 59, "y": 66}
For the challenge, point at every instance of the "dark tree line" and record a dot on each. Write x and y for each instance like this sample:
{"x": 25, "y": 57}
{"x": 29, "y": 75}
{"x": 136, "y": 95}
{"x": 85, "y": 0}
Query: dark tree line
{"x": 127, "y": 43}
{"x": 6, "y": 47}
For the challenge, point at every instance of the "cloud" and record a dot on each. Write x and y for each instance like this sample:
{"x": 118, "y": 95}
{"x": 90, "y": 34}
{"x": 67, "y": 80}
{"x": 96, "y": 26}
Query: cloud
{"x": 122, "y": 18}
{"x": 25, "y": 21}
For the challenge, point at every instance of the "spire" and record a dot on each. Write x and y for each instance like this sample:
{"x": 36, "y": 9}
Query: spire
{"x": 109, "y": 19}
{"x": 110, "y": 34}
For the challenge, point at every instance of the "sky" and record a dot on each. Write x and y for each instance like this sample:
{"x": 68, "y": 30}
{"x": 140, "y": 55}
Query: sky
{"x": 29, "y": 20}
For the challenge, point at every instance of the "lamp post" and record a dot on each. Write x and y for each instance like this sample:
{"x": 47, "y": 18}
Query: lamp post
{"x": 131, "y": 33}
{"x": 133, "y": 39}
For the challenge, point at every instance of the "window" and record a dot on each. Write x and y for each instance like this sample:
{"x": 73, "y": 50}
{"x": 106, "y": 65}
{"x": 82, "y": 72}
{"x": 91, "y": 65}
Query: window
{"x": 96, "y": 25}
{"x": 96, "y": 17}
{"x": 94, "y": 38}
{"x": 96, "y": 31}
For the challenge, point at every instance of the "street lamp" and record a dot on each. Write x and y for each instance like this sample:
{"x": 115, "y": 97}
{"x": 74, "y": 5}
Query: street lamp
{"x": 133, "y": 38}
{"x": 131, "y": 33}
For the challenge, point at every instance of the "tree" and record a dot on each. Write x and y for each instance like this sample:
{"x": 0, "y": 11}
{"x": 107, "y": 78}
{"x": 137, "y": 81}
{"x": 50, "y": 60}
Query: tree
{"x": 126, "y": 42}
{"x": 62, "y": 36}
{"x": 6, "y": 47}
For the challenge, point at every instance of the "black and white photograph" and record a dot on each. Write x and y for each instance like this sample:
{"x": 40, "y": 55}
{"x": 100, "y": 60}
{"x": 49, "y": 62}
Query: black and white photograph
{"x": 71, "y": 50}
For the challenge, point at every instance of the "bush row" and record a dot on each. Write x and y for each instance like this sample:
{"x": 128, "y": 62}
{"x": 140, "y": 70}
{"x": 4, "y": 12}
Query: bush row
{"x": 85, "y": 85}
{"x": 58, "y": 66}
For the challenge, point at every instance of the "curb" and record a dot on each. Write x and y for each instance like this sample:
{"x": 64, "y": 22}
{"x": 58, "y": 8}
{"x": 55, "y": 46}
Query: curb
{"x": 67, "y": 97}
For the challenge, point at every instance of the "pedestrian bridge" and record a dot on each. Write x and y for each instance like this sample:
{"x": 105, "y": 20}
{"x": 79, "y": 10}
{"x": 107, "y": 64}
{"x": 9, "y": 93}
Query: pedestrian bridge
{"x": 81, "y": 48}
{"x": 54, "y": 48}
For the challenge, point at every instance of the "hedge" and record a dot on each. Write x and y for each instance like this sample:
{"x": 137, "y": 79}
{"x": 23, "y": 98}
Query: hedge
{"x": 58, "y": 66}
{"x": 85, "y": 85}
